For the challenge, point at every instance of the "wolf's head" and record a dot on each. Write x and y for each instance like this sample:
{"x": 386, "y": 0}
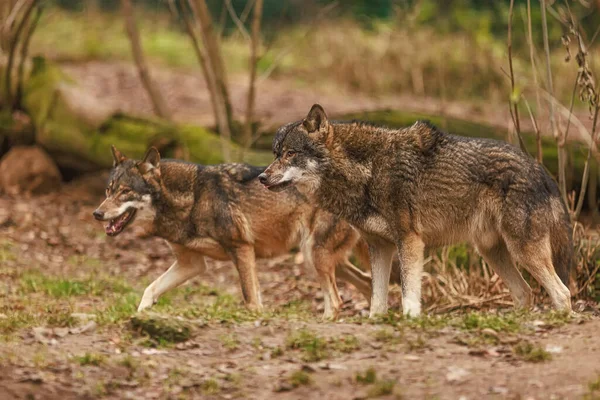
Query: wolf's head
{"x": 300, "y": 149}
{"x": 129, "y": 193}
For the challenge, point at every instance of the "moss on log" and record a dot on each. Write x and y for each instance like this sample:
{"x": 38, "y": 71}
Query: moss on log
{"x": 77, "y": 131}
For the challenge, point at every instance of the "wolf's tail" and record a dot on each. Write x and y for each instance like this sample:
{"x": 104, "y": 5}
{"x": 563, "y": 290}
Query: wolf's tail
{"x": 561, "y": 242}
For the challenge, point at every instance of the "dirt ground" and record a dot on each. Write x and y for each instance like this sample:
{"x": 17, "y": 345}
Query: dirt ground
{"x": 279, "y": 100}
{"x": 68, "y": 294}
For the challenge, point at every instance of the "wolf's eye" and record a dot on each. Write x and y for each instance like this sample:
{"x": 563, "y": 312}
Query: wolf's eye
{"x": 290, "y": 154}
{"x": 125, "y": 191}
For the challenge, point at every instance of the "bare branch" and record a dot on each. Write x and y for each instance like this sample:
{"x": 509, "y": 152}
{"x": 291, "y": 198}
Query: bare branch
{"x": 586, "y": 169}
{"x": 24, "y": 52}
{"x": 562, "y": 183}
{"x": 236, "y": 20}
{"x": 514, "y": 101}
{"x": 158, "y": 102}
{"x": 14, "y": 41}
{"x": 254, "y": 46}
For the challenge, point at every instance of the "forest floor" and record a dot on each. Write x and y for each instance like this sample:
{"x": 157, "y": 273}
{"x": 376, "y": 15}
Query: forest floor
{"x": 117, "y": 86}
{"x": 68, "y": 327}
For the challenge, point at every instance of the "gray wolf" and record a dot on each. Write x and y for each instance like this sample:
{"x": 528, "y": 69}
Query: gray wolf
{"x": 418, "y": 187}
{"x": 223, "y": 212}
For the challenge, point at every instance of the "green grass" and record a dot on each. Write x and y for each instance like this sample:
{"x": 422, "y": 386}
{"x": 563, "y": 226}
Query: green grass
{"x": 62, "y": 287}
{"x": 161, "y": 331}
{"x": 7, "y": 252}
{"x": 509, "y": 322}
{"x": 230, "y": 341}
{"x": 313, "y": 347}
{"x": 90, "y": 359}
{"x": 368, "y": 377}
{"x": 382, "y": 388}
{"x": 344, "y": 344}
{"x": 210, "y": 386}
{"x": 300, "y": 378}
{"x": 531, "y": 353}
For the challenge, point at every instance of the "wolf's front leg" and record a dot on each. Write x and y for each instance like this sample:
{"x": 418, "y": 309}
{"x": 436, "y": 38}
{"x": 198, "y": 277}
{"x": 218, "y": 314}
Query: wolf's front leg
{"x": 188, "y": 265}
{"x": 245, "y": 262}
{"x": 410, "y": 252}
{"x": 380, "y": 252}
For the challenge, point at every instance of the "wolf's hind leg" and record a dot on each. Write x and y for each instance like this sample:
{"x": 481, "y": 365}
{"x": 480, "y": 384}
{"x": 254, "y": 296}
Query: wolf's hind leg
{"x": 353, "y": 275}
{"x": 496, "y": 255}
{"x": 537, "y": 259}
{"x": 245, "y": 262}
{"x": 410, "y": 252}
{"x": 188, "y": 265}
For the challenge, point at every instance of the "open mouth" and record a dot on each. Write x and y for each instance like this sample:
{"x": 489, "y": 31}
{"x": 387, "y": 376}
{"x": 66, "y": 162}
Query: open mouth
{"x": 116, "y": 225}
{"x": 279, "y": 186}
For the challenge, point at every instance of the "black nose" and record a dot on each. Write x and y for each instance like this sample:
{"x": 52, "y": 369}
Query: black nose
{"x": 99, "y": 215}
{"x": 263, "y": 178}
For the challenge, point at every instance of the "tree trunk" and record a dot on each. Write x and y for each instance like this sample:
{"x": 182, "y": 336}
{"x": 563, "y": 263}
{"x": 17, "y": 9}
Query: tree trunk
{"x": 254, "y": 45}
{"x": 213, "y": 53}
{"x": 14, "y": 42}
{"x": 158, "y": 102}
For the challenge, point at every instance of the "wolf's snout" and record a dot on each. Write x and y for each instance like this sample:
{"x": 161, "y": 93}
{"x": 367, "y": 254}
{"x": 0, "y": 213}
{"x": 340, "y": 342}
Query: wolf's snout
{"x": 263, "y": 178}
{"x": 99, "y": 215}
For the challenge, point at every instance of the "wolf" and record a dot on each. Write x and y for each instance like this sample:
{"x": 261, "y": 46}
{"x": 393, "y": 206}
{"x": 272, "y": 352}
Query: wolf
{"x": 416, "y": 187}
{"x": 224, "y": 213}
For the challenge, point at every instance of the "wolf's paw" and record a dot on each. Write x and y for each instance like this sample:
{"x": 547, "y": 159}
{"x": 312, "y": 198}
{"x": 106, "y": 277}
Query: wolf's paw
{"x": 147, "y": 302}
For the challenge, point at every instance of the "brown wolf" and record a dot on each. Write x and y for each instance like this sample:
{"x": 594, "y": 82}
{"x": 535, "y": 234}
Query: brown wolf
{"x": 223, "y": 212}
{"x": 415, "y": 187}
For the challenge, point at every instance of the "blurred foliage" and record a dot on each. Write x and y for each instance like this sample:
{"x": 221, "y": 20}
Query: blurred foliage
{"x": 483, "y": 19}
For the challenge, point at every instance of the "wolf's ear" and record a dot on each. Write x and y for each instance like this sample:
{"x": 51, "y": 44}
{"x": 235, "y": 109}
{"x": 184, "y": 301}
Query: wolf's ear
{"x": 151, "y": 160}
{"x": 316, "y": 120}
{"x": 118, "y": 157}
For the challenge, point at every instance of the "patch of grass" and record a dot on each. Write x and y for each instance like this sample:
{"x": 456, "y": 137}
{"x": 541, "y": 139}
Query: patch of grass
{"x": 210, "y": 386}
{"x": 345, "y": 343}
{"x": 313, "y": 347}
{"x": 557, "y": 318}
{"x": 230, "y": 342}
{"x": 7, "y": 251}
{"x": 300, "y": 378}
{"x": 531, "y": 353}
{"x": 60, "y": 287}
{"x": 369, "y": 377}
{"x": 277, "y": 352}
{"x": 509, "y": 322}
{"x": 161, "y": 331}
{"x": 90, "y": 359}
{"x": 417, "y": 344}
{"x": 382, "y": 388}
{"x": 119, "y": 308}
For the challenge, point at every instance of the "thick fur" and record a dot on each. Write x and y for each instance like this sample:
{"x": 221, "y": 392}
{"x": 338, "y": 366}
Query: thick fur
{"x": 418, "y": 187}
{"x": 223, "y": 212}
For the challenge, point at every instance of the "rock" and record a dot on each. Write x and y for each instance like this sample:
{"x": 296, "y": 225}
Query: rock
{"x": 90, "y": 326}
{"x": 283, "y": 386}
{"x": 456, "y": 375}
{"x": 28, "y": 170}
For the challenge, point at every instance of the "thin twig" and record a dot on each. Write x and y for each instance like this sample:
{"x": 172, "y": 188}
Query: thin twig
{"x": 285, "y": 52}
{"x": 586, "y": 169}
{"x": 13, "y": 48}
{"x": 513, "y": 100}
{"x": 562, "y": 184}
{"x": 236, "y": 20}
{"x": 538, "y": 134}
{"x": 571, "y": 107}
{"x": 24, "y": 52}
